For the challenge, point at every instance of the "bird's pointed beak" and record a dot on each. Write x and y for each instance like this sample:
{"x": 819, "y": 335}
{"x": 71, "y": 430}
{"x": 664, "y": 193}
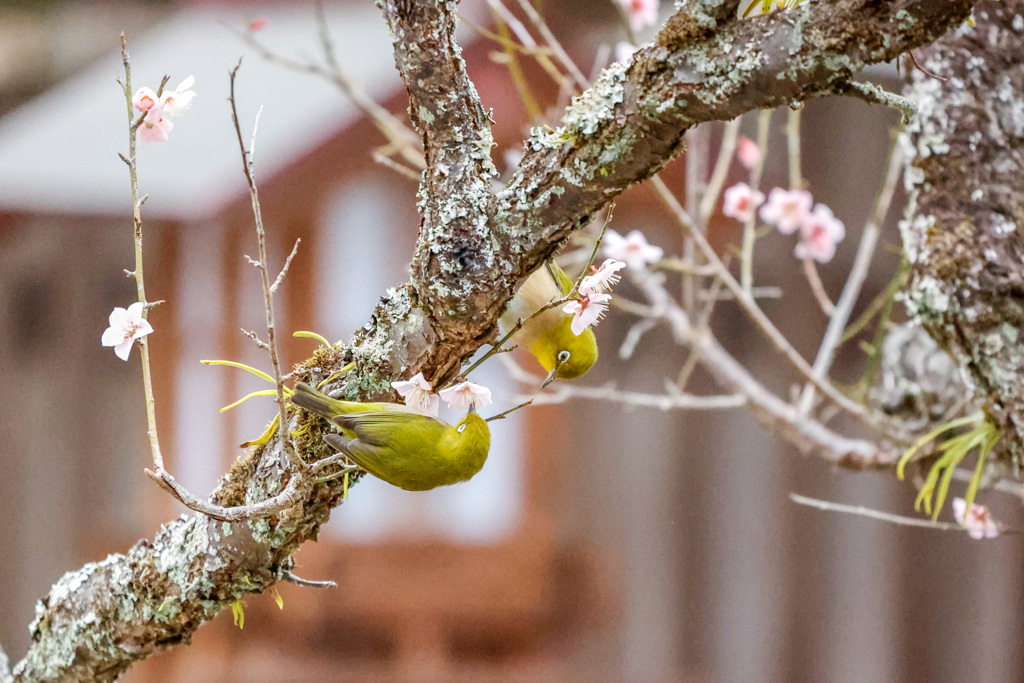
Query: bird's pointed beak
{"x": 550, "y": 377}
{"x": 472, "y": 408}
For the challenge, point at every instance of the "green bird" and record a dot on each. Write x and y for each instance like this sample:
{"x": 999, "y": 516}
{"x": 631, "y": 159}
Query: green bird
{"x": 549, "y": 336}
{"x": 405, "y": 448}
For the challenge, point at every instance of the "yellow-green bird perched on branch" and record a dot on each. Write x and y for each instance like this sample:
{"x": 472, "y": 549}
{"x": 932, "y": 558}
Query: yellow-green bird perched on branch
{"x": 549, "y": 336}
{"x": 395, "y": 443}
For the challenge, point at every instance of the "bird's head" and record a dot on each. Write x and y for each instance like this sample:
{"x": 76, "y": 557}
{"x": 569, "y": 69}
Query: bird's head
{"x": 563, "y": 354}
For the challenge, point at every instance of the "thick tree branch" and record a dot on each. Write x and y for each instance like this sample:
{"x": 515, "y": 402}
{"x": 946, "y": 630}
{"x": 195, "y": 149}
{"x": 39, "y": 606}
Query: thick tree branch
{"x": 473, "y": 249}
{"x": 963, "y": 231}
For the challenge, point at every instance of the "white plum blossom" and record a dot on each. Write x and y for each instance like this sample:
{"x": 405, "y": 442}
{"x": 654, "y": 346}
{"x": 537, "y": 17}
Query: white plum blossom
{"x": 741, "y": 202}
{"x": 786, "y": 209}
{"x": 418, "y": 394}
{"x": 748, "y": 153}
{"x": 633, "y": 249}
{"x": 126, "y": 325}
{"x": 466, "y": 394}
{"x": 977, "y": 520}
{"x": 820, "y": 232}
{"x": 602, "y": 279}
{"x": 641, "y": 13}
{"x": 586, "y": 310}
{"x": 176, "y": 101}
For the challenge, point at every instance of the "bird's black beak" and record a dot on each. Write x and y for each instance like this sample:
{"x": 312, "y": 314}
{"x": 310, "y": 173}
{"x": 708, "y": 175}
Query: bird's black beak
{"x": 472, "y": 408}
{"x": 550, "y": 377}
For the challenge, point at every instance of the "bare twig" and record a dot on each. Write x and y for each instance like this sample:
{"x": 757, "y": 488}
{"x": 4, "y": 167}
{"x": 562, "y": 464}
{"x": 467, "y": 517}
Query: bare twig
{"x": 796, "y": 175}
{"x": 697, "y": 143}
{"x": 268, "y": 294}
{"x": 289, "y": 496}
{"x": 721, "y": 170}
{"x": 251, "y": 334}
{"x": 140, "y": 283}
{"x": 858, "y": 273}
{"x": 287, "y": 575}
{"x": 503, "y": 415}
{"x": 873, "y": 514}
{"x": 538, "y": 22}
{"x": 817, "y": 287}
{"x": 287, "y": 264}
{"x": 764, "y": 120}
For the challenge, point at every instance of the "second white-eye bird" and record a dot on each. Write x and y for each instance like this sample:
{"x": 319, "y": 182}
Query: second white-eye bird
{"x": 549, "y": 336}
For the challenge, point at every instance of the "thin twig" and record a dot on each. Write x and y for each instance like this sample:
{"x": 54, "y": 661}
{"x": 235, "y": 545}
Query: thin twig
{"x": 538, "y": 22}
{"x": 287, "y": 264}
{"x": 289, "y": 496}
{"x": 502, "y": 416}
{"x": 697, "y": 142}
{"x": 817, "y": 287}
{"x": 268, "y": 295}
{"x": 140, "y": 283}
{"x": 540, "y": 54}
{"x": 873, "y": 514}
{"x": 764, "y": 120}
{"x": 288, "y": 576}
{"x": 721, "y": 170}
{"x": 796, "y": 175}
{"x": 858, "y": 274}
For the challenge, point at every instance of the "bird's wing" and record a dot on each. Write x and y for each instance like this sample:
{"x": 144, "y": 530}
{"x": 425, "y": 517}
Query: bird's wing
{"x": 563, "y": 281}
{"x": 378, "y": 429}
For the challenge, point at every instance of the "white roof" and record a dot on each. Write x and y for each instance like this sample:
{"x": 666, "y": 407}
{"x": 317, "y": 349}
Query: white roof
{"x": 58, "y": 153}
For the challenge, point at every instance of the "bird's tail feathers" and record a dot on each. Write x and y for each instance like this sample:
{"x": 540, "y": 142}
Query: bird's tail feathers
{"x": 310, "y": 399}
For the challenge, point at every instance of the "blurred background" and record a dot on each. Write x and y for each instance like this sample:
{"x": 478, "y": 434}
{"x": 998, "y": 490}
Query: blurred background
{"x": 600, "y": 543}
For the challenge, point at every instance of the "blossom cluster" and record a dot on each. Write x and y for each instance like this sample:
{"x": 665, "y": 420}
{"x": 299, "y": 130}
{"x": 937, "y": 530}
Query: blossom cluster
{"x": 156, "y": 125}
{"x": 790, "y": 211}
{"x": 976, "y": 519}
{"x": 419, "y": 395}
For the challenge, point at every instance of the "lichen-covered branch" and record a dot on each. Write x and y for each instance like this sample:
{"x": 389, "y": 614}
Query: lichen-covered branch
{"x": 474, "y": 247}
{"x": 963, "y": 231}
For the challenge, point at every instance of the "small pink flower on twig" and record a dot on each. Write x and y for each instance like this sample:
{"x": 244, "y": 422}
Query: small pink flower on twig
{"x": 820, "y": 232}
{"x": 633, "y": 249}
{"x": 144, "y": 99}
{"x": 155, "y": 127}
{"x": 641, "y": 13}
{"x": 977, "y": 520}
{"x": 602, "y": 279}
{"x": 748, "y": 153}
{"x": 418, "y": 394}
{"x": 466, "y": 394}
{"x": 586, "y": 310}
{"x": 786, "y": 209}
{"x": 741, "y": 202}
{"x": 126, "y": 325}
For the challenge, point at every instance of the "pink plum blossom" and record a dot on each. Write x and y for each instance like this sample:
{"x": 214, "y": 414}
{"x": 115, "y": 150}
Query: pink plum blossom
{"x": 748, "y": 153}
{"x": 741, "y": 202}
{"x": 126, "y": 325}
{"x": 602, "y": 279}
{"x": 466, "y": 394}
{"x": 641, "y": 13}
{"x": 586, "y": 310}
{"x": 154, "y": 127}
{"x": 820, "y": 232}
{"x": 633, "y": 249}
{"x": 144, "y": 99}
{"x": 786, "y": 209}
{"x": 418, "y": 394}
{"x": 176, "y": 101}
{"x": 977, "y": 520}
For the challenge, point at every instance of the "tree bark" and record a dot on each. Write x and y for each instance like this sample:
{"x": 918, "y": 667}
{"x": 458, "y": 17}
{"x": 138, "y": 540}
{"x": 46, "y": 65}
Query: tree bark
{"x": 474, "y": 246}
{"x": 962, "y": 233}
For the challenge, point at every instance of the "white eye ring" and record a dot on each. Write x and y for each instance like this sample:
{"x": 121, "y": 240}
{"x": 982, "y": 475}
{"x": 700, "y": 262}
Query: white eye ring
{"x": 563, "y": 356}
{"x": 461, "y": 429}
